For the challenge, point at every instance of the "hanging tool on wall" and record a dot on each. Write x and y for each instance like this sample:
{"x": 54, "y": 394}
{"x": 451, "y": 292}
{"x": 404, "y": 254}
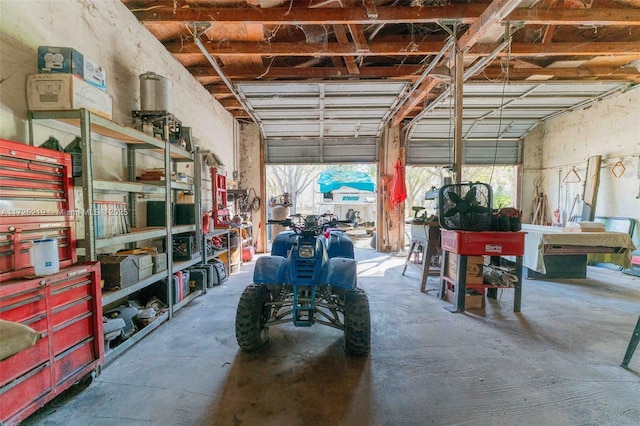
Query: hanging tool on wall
{"x": 618, "y": 168}
{"x": 591, "y": 184}
{"x": 573, "y": 206}
{"x": 539, "y": 203}
{"x": 572, "y": 176}
{"x": 539, "y": 214}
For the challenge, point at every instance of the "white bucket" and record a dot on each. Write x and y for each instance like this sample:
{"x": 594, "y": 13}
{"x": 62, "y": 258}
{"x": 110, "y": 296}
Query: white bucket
{"x": 44, "y": 256}
{"x": 278, "y": 212}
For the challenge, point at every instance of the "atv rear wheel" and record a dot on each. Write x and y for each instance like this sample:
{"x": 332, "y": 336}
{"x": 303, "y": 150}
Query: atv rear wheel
{"x": 251, "y": 317}
{"x": 357, "y": 322}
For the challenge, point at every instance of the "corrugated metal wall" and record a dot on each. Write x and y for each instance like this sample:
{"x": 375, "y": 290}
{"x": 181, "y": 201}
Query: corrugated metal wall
{"x": 440, "y": 152}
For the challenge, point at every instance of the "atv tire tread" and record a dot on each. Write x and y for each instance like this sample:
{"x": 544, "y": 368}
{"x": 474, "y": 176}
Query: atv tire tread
{"x": 357, "y": 322}
{"x": 251, "y": 316}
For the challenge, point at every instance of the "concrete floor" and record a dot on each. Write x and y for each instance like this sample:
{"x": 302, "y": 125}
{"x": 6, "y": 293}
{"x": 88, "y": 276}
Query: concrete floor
{"x": 555, "y": 363}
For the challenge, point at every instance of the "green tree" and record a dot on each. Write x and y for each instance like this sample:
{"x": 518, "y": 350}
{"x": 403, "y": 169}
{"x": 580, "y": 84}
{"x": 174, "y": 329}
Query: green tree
{"x": 499, "y": 177}
{"x": 419, "y": 180}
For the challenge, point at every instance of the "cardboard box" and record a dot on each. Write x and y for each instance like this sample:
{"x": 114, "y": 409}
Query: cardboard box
{"x": 473, "y": 299}
{"x": 94, "y": 74}
{"x": 46, "y": 92}
{"x": 186, "y": 197}
{"x": 475, "y": 266}
{"x": 65, "y": 60}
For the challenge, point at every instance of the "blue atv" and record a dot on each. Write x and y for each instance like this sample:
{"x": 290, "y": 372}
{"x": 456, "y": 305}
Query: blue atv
{"x": 310, "y": 277}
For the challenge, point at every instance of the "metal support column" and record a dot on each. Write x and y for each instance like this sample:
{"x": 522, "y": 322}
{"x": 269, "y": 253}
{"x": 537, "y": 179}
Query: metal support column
{"x": 131, "y": 197}
{"x": 197, "y": 200}
{"x": 171, "y": 296}
{"x": 87, "y": 186}
{"x": 458, "y": 147}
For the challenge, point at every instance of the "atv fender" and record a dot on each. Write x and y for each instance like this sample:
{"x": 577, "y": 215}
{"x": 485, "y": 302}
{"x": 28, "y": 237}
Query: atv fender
{"x": 282, "y": 243}
{"x": 340, "y": 245}
{"x": 269, "y": 270}
{"x": 342, "y": 272}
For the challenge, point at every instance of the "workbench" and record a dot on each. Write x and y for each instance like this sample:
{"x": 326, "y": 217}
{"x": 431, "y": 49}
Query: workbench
{"x": 550, "y": 252}
{"x": 425, "y": 238}
{"x": 487, "y": 243}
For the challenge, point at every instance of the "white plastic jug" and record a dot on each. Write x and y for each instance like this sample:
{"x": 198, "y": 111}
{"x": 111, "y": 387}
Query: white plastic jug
{"x": 44, "y": 256}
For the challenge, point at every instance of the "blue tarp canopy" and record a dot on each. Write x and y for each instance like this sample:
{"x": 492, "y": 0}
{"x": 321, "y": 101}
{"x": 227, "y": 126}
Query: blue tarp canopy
{"x": 331, "y": 180}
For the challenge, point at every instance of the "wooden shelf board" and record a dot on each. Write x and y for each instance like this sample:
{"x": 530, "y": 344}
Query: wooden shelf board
{"x": 113, "y": 296}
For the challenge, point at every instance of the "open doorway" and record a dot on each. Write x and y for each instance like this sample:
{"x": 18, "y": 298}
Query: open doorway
{"x": 346, "y": 191}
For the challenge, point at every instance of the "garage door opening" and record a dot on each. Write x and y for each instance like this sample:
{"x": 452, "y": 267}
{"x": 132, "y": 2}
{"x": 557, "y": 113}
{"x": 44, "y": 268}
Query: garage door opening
{"x": 346, "y": 192}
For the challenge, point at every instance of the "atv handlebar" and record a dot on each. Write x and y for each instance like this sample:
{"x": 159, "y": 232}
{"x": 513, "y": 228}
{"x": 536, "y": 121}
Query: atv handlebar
{"x": 308, "y": 226}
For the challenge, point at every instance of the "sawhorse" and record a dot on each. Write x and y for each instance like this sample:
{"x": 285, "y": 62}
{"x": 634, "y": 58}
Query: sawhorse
{"x": 429, "y": 249}
{"x": 633, "y": 344}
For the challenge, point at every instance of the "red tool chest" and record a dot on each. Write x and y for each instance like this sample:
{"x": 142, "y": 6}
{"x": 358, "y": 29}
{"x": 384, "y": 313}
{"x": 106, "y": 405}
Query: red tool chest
{"x": 219, "y": 192}
{"x": 487, "y": 243}
{"x": 36, "y": 189}
{"x": 66, "y": 309}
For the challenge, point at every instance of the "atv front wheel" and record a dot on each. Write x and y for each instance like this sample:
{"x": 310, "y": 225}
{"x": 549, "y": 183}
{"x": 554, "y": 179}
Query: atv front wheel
{"x": 251, "y": 317}
{"x": 357, "y": 322}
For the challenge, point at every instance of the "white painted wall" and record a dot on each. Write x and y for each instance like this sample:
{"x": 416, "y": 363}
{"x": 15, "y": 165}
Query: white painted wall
{"x": 106, "y": 32}
{"x": 610, "y": 128}
{"x": 251, "y": 178}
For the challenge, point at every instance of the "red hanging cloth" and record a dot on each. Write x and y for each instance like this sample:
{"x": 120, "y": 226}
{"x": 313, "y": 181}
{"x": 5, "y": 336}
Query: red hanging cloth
{"x": 398, "y": 185}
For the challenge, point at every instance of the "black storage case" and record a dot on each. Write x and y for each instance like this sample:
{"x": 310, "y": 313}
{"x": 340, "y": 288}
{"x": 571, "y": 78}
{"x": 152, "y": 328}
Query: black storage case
{"x": 185, "y": 214}
{"x": 156, "y": 213}
{"x": 209, "y": 269}
{"x": 198, "y": 279}
{"x": 184, "y": 247}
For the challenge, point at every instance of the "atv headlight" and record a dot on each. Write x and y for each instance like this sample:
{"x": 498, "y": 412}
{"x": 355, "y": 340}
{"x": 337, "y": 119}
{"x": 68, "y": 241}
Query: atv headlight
{"x": 306, "y": 251}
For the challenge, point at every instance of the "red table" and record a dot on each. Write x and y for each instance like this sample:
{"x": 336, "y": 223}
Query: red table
{"x": 487, "y": 243}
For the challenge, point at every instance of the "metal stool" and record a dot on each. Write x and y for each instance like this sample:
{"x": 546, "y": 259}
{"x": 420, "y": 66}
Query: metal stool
{"x": 633, "y": 343}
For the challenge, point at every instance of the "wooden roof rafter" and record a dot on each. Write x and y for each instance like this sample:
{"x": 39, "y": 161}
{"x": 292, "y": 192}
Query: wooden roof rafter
{"x": 404, "y": 49}
{"x": 463, "y": 14}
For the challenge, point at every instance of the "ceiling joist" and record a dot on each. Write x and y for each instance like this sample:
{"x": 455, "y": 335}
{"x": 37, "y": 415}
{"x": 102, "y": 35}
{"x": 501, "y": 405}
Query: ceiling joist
{"x": 419, "y": 95}
{"x": 344, "y": 41}
{"x": 405, "y": 49}
{"x": 410, "y": 72}
{"x": 490, "y": 18}
{"x": 462, "y": 14}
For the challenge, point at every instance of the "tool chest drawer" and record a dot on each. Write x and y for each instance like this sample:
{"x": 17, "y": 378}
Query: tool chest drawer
{"x": 36, "y": 187}
{"x": 66, "y": 310}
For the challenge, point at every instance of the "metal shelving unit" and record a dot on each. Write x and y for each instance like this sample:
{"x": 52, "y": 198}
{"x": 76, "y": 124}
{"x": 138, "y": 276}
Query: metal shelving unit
{"x": 87, "y": 125}
{"x": 243, "y": 237}
{"x": 118, "y": 350}
{"x": 217, "y": 254}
